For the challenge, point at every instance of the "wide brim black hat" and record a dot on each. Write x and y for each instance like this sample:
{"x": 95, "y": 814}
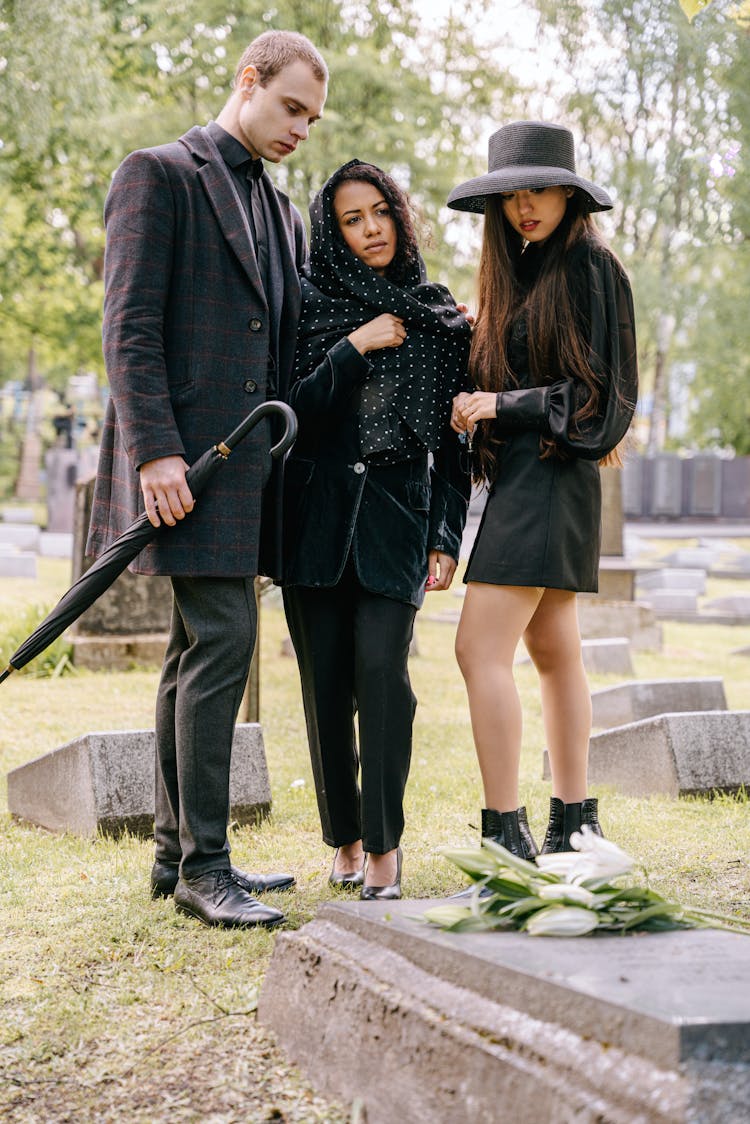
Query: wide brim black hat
{"x": 525, "y": 155}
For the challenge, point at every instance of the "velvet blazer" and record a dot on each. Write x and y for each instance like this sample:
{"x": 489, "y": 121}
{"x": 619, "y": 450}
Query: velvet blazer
{"x": 186, "y": 342}
{"x": 388, "y": 516}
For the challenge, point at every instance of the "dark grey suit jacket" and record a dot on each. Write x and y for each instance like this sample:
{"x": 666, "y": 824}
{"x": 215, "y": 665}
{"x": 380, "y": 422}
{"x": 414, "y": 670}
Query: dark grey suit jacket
{"x": 186, "y": 340}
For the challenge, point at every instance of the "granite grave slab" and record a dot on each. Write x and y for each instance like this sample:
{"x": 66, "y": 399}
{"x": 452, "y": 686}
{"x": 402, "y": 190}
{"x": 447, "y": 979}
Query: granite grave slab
{"x": 484, "y": 1027}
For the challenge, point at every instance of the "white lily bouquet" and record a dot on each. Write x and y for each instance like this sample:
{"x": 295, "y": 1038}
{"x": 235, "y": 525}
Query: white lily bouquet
{"x": 567, "y": 894}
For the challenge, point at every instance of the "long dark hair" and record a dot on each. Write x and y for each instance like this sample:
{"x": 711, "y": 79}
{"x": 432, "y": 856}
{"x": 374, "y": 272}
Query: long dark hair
{"x": 407, "y": 247}
{"x": 556, "y": 344}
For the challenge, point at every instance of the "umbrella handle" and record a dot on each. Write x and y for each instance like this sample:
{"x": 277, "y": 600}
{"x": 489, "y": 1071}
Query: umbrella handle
{"x": 273, "y": 406}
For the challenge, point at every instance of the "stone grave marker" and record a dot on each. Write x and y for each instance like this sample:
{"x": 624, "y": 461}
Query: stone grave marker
{"x": 691, "y": 558}
{"x": 105, "y": 782}
{"x": 494, "y": 1026}
{"x": 641, "y": 698}
{"x": 681, "y": 754}
{"x": 673, "y": 579}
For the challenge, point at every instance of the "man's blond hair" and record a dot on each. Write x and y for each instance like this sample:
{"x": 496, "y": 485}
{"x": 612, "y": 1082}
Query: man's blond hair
{"x": 273, "y": 50}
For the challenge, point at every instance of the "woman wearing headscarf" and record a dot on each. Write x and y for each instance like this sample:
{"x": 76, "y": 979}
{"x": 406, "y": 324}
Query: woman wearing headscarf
{"x": 376, "y": 503}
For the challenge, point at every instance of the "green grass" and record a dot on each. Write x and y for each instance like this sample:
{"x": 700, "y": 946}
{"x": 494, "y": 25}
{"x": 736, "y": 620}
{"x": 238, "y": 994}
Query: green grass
{"x": 115, "y": 1008}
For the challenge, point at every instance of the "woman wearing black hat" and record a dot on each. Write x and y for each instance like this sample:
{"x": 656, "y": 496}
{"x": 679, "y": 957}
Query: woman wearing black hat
{"x": 380, "y": 355}
{"x": 554, "y": 362}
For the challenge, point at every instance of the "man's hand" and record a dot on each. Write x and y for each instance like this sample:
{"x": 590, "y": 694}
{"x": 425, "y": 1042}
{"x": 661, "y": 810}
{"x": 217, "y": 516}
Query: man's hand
{"x": 165, "y": 492}
{"x": 441, "y": 568}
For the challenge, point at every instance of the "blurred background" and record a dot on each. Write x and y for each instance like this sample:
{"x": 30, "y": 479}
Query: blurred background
{"x": 659, "y": 104}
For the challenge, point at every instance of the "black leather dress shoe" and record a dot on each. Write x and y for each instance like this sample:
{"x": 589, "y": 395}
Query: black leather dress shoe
{"x": 384, "y": 893}
{"x": 350, "y": 878}
{"x": 164, "y": 877}
{"x": 216, "y": 898}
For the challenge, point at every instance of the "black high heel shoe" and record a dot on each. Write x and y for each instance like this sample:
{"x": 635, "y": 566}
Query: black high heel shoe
{"x": 385, "y": 893}
{"x": 350, "y": 879}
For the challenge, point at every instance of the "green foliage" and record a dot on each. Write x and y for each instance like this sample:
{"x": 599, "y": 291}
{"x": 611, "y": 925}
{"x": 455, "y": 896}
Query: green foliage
{"x": 54, "y": 661}
{"x": 87, "y": 84}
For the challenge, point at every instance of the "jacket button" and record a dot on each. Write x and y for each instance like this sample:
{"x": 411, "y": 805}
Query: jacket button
{"x": 359, "y": 468}
{"x": 250, "y": 386}
{"x": 255, "y": 324}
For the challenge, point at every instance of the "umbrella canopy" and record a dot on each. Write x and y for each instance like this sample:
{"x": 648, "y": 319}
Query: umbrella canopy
{"x": 131, "y": 542}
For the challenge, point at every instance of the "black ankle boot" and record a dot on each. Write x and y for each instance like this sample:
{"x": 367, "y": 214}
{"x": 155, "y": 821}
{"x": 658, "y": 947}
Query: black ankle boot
{"x": 510, "y": 830}
{"x": 564, "y": 819}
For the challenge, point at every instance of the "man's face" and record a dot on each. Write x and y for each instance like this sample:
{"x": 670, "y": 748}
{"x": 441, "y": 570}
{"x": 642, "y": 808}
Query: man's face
{"x": 273, "y": 119}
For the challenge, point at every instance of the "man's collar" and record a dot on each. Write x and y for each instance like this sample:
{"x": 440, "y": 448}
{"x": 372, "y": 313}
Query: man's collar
{"x": 233, "y": 152}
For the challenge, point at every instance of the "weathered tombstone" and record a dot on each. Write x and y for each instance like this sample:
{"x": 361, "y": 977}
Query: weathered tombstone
{"x": 62, "y": 471}
{"x": 666, "y": 477}
{"x": 16, "y": 563}
{"x": 22, "y": 536}
{"x": 668, "y": 578}
{"x": 491, "y": 1026}
{"x": 736, "y": 606}
{"x": 704, "y": 485}
{"x": 691, "y": 558}
{"x": 607, "y": 656}
{"x": 642, "y": 698}
{"x": 18, "y": 515}
{"x": 668, "y": 602}
{"x": 129, "y": 623}
{"x": 56, "y": 544}
{"x": 105, "y": 782}
{"x": 678, "y": 754}
{"x": 599, "y": 620}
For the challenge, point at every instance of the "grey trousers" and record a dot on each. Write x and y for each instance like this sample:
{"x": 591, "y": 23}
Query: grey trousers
{"x": 211, "y": 642}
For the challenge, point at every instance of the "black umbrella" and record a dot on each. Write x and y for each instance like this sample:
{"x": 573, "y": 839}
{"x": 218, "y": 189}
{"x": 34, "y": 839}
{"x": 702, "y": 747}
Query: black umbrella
{"x": 131, "y": 542}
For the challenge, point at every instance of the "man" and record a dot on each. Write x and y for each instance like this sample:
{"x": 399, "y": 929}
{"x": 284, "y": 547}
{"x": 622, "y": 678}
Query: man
{"x": 201, "y": 304}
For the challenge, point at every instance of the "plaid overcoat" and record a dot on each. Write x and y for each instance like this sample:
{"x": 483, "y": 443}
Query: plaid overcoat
{"x": 186, "y": 341}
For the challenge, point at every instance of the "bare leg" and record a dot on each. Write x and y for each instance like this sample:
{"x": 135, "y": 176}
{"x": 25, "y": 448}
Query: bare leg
{"x": 493, "y": 619}
{"x": 553, "y": 641}
{"x": 349, "y": 858}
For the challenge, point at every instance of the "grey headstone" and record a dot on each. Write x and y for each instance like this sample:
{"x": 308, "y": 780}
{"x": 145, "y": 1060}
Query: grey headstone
{"x": 17, "y": 564}
{"x": 738, "y": 605}
{"x": 56, "y": 544}
{"x": 667, "y": 601}
{"x": 609, "y": 656}
{"x": 62, "y": 471}
{"x": 704, "y": 485}
{"x": 18, "y": 515}
{"x": 105, "y": 782}
{"x": 667, "y": 578}
{"x": 641, "y": 698}
{"x": 632, "y": 486}
{"x": 677, "y": 754}
{"x": 601, "y": 619}
{"x": 667, "y": 485}
{"x": 23, "y": 536}
{"x": 691, "y": 558}
{"x": 487, "y": 1027}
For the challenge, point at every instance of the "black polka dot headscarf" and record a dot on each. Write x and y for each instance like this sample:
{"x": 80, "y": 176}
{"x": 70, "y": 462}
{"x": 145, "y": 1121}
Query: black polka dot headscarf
{"x": 412, "y": 384}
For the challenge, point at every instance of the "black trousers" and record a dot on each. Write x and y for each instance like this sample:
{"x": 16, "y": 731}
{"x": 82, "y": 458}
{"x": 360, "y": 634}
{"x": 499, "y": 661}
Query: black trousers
{"x": 352, "y": 649}
{"x": 211, "y": 642}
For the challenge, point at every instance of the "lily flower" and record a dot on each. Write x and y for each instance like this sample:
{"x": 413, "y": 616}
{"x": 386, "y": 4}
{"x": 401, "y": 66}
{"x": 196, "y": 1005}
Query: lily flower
{"x": 562, "y": 921}
{"x": 566, "y": 892}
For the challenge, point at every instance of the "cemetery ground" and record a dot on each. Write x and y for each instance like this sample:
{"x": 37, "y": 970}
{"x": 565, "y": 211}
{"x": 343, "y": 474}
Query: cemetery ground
{"x": 114, "y": 1007}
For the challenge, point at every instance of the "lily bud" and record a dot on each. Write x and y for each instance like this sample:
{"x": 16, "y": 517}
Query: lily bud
{"x": 562, "y": 921}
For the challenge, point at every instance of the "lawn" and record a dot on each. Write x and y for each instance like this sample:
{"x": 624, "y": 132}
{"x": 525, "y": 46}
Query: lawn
{"x": 115, "y": 1008}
